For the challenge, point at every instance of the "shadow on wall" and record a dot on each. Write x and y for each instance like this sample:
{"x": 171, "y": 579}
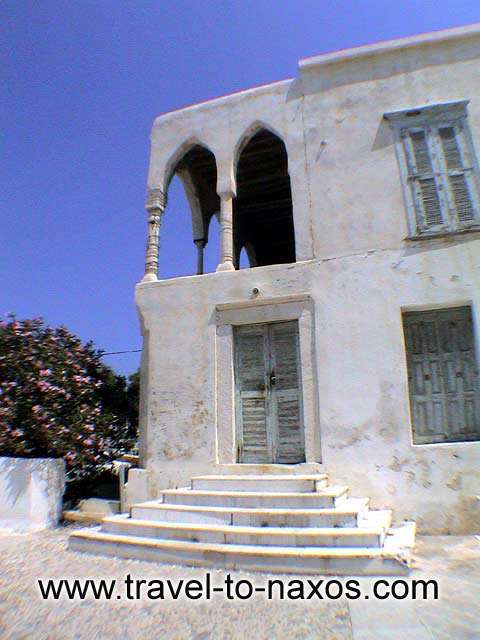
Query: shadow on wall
{"x": 12, "y": 480}
{"x": 31, "y": 492}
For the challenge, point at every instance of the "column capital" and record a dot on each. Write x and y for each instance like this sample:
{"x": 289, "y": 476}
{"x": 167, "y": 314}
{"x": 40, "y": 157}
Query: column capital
{"x": 156, "y": 199}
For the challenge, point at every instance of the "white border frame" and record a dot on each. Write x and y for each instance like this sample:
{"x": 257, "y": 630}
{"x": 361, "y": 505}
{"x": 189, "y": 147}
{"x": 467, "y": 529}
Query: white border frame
{"x": 264, "y": 310}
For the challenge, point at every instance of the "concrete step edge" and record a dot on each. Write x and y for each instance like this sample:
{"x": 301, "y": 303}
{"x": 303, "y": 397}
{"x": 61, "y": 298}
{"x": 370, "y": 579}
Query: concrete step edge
{"x": 328, "y": 492}
{"x": 266, "y": 477}
{"x": 74, "y": 515}
{"x": 95, "y": 535}
{"x": 246, "y": 530}
{"x": 302, "y": 468}
{"x": 351, "y": 506}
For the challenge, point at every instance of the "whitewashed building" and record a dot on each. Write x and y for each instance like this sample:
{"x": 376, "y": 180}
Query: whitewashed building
{"x": 351, "y": 345}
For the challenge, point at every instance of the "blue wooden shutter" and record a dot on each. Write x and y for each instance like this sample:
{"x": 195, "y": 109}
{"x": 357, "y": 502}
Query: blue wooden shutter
{"x": 443, "y": 375}
{"x": 424, "y": 183}
{"x": 459, "y": 174}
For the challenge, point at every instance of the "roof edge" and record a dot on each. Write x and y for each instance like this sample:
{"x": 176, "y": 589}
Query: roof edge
{"x": 386, "y": 46}
{"x": 218, "y": 100}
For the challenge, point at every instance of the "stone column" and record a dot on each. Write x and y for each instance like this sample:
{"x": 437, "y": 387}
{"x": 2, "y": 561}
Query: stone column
{"x": 200, "y": 244}
{"x": 226, "y": 225}
{"x": 155, "y": 206}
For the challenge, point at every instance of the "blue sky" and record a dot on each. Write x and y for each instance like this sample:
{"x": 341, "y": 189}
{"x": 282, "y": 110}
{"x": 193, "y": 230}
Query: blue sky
{"x": 82, "y": 83}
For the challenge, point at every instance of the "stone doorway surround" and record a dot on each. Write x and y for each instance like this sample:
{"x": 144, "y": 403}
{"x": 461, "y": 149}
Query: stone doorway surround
{"x": 264, "y": 310}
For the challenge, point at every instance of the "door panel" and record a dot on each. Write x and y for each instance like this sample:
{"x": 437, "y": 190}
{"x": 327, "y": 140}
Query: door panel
{"x": 268, "y": 397}
{"x": 290, "y": 448}
{"x": 443, "y": 377}
{"x": 251, "y": 396}
{"x": 251, "y": 358}
{"x": 254, "y": 430}
{"x": 284, "y": 360}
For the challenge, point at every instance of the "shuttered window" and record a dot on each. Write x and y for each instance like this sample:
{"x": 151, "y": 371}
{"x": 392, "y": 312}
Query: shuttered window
{"x": 439, "y": 168}
{"x": 443, "y": 375}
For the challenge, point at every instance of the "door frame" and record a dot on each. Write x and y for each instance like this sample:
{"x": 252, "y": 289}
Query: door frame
{"x": 271, "y": 416}
{"x": 264, "y": 311}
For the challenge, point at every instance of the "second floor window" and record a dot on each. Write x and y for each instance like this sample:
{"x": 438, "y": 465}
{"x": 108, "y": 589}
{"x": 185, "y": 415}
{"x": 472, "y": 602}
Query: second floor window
{"x": 439, "y": 168}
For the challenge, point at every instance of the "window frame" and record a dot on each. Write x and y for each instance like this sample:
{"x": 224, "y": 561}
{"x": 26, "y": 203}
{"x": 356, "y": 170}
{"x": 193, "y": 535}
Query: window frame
{"x": 431, "y": 119}
{"x": 448, "y": 435}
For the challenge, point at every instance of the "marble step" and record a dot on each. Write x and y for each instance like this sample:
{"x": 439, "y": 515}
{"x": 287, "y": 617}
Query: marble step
{"x": 346, "y": 515}
{"x": 391, "y": 559}
{"x": 243, "y": 469}
{"x": 265, "y": 483}
{"x": 368, "y": 535}
{"x": 323, "y": 498}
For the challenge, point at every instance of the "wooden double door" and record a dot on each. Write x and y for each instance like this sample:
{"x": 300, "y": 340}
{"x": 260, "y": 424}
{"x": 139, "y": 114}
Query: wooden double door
{"x": 268, "y": 394}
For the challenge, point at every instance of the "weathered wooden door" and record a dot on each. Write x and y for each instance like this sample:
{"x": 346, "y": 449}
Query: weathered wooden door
{"x": 268, "y": 394}
{"x": 442, "y": 375}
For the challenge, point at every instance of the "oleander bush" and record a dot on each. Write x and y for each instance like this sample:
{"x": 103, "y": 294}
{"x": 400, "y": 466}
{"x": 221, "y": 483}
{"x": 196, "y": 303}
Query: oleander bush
{"x": 57, "y": 399}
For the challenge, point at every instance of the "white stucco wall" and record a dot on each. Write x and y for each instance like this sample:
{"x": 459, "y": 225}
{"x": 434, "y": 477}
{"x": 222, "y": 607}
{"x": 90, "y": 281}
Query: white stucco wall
{"x": 364, "y": 423}
{"x": 356, "y": 192}
{"x": 355, "y": 263}
{"x": 31, "y": 492}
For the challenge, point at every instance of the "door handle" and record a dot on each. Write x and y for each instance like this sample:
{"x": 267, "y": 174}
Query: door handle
{"x": 273, "y": 379}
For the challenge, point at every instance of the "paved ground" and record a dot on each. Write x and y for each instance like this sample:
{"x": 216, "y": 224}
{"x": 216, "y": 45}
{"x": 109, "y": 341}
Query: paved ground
{"x": 453, "y": 561}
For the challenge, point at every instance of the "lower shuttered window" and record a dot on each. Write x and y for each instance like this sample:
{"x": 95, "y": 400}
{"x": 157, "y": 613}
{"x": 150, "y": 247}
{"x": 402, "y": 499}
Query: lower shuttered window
{"x": 443, "y": 375}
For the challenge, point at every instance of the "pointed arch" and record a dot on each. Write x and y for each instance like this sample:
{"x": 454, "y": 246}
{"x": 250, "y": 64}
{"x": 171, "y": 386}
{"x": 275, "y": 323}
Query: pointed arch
{"x": 248, "y": 134}
{"x": 248, "y": 251}
{"x": 198, "y": 222}
{"x": 195, "y": 166}
{"x": 263, "y": 208}
{"x": 180, "y": 152}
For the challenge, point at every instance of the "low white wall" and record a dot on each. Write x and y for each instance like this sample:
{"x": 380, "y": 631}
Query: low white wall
{"x": 31, "y": 492}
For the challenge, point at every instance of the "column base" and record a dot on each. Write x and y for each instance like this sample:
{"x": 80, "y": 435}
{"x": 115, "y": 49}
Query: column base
{"x": 226, "y": 266}
{"x": 149, "y": 277}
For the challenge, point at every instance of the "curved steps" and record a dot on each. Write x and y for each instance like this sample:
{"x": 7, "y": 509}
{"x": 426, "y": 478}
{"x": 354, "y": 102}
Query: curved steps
{"x": 306, "y": 560}
{"x": 341, "y": 516}
{"x": 267, "y": 483}
{"x": 369, "y": 535}
{"x": 320, "y": 499}
{"x": 287, "y": 523}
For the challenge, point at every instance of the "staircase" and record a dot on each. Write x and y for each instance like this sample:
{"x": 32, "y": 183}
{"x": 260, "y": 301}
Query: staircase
{"x": 280, "y": 523}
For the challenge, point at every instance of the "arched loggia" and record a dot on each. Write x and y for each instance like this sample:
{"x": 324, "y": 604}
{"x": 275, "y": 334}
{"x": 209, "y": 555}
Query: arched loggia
{"x": 197, "y": 171}
{"x": 262, "y": 209}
